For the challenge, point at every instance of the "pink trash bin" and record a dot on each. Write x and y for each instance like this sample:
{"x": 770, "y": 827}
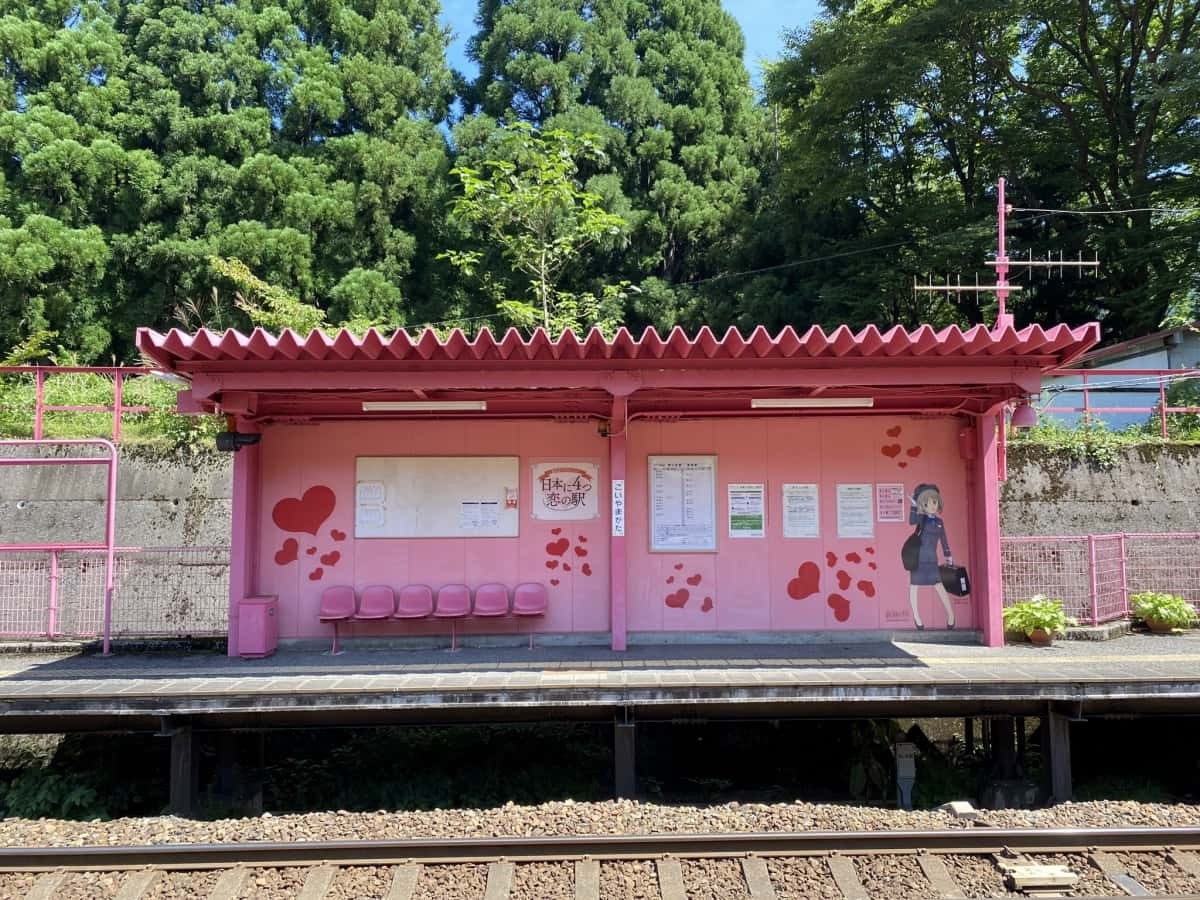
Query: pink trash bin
{"x": 258, "y": 626}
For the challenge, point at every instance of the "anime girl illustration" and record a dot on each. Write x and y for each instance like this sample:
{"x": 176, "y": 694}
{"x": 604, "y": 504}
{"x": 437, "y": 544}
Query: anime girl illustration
{"x": 926, "y": 514}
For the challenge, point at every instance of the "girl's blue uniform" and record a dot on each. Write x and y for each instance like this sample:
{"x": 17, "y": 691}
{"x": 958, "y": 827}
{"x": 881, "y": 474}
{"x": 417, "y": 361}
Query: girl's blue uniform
{"x": 933, "y": 532}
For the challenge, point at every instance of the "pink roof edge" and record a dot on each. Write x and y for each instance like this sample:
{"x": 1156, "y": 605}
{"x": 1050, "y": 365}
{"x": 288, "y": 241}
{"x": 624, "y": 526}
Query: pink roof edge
{"x": 1059, "y": 344}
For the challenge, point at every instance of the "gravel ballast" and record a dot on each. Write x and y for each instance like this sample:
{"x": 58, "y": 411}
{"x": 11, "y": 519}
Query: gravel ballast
{"x": 620, "y": 817}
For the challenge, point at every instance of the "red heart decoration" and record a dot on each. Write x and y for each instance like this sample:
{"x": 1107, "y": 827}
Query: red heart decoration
{"x": 306, "y": 514}
{"x": 695, "y": 579}
{"x": 287, "y": 553}
{"x": 843, "y": 579}
{"x": 554, "y": 581}
{"x": 556, "y": 531}
{"x": 867, "y": 587}
{"x": 315, "y": 574}
{"x": 903, "y": 465}
{"x": 558, "y": 548}
{"x": 552, "y": 564}
{"x": 806, "y": 583}
{"x": 707, "y": 605}
{"x": 587, "y": 569}
{"x": 870, "y": 549}
{"x": 566, "y": 567}
{"x": 583, "y": 539}
{"x": 894, "y": 432}
{"x": 678, "y": 599}
{"x": 914, "y": 452}
{"x": 853, "y": 557}
{"x": 337, "y": 535}
{"x": 872, "y": 565}
{"x": 310, "y": 551}
{"x": 670, "y": 579}
{"x": 678, "y": 567}
{"x": 891, "y": 450}
{"x": 840, "y": 606}
{"x": 331, "y": 558}
{"x": 831, "y": 559}
{"x": 581, "y": 551}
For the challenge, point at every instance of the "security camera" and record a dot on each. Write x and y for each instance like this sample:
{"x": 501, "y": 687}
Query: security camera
{"x": 233, "y": 441}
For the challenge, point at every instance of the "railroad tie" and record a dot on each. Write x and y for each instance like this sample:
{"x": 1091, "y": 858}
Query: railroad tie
{"x": 1186, "y": 860}
{"x": 1114, "y": 871}
{"x": 137, "y": 883}
{"x": 587, "y": 879}
{"x": 46, "y": 887}
{"x": 939, "y": 876}
{"x": 499, "y": 881}
{"x": 758, "y": 879}
{"x": 404, "y": 881}
{"x": 317, "y": 883}
{"x": 670, "y": 879}
{"x": 229, "y": 885}
{"x": 845, "y": 876}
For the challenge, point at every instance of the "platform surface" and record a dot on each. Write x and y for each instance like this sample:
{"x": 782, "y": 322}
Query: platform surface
{"x": 1136, "y": 673}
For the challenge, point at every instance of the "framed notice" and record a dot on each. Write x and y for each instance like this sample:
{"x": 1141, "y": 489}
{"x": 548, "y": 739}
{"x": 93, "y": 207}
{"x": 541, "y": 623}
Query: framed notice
{"x": 889, "y": 503}
{"x": 855, "y": 511}
{"x": 683, "y": 504}
{"x": 801, "y": 511}
{"x": 747, "y": 510}
{"x": 565, "y": 491}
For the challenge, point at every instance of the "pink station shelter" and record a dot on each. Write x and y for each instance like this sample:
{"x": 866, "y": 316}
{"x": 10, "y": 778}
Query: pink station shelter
{"x": 654, "y": 485}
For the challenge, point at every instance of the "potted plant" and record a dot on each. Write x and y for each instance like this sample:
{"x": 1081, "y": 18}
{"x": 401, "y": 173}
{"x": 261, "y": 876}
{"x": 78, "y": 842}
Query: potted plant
{"x": 1162, "y": 613}
{"x": 1039, "y": 618}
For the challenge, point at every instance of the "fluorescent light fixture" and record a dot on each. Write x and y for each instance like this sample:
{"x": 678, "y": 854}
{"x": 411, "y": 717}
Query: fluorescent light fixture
{"x": 170, "y": 378}
{"x": 424, "y": 405}
{"x": 810, "y": 402}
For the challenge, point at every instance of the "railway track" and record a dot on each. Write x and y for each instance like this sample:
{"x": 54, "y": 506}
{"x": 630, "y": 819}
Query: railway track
{"x": 958, "y": 863}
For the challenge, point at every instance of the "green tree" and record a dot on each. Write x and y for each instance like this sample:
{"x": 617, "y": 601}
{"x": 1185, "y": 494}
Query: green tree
{"x": 532, "y": 207}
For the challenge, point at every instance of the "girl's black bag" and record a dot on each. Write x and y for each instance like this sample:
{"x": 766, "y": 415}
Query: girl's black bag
{"x": 955, "y": 580}
{"x": 910, "y": 553}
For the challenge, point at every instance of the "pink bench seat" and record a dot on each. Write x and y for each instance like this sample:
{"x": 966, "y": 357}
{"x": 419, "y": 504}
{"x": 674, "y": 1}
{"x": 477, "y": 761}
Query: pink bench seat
{"x": 337, "y": 605}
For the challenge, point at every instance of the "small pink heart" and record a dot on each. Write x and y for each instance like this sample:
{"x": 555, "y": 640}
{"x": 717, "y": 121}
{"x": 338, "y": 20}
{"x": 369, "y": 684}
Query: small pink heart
{"x": 587, "y": 569}
{"x": 554, "y": 581}
{"x": 315, "y": 574}
{"x": 287, "y": 553}
{"x": 337, "y": 535}
{"x": 695, "y": 579}
{"x": 891, "y": 450}
{"x": 707, "y": 605}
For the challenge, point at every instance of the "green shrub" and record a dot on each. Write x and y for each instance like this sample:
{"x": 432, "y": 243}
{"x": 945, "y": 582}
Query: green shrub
{"x": 41, "y": 793}
{"x": 1170, "y": 610}
{"x": 1039, "y": 611}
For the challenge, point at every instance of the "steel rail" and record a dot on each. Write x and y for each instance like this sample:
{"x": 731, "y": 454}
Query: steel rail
{"x": 964, "y": 841}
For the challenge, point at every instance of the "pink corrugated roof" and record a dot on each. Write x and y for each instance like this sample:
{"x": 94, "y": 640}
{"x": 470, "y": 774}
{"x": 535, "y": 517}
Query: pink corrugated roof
{"x": 1053, "y": 346}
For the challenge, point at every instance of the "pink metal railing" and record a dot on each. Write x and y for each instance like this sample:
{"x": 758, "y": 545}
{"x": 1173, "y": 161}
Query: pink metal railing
{"x": 1094, "y": 575}
{"x": 158, "y": 592}
{"x": 1161, "y": 377}
{"x": 117, "y": 408}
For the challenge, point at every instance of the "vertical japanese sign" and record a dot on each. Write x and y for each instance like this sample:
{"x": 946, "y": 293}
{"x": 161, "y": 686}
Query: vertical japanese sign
{"x": 618, "y": 507}
{"x": 565, "y": 490}
{"x": 747, "y": 510}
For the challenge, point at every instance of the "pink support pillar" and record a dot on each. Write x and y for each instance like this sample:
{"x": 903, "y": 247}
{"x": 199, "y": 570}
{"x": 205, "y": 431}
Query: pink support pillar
{"x": 243, "y": 549}
{"x": 986, "y": 581}
{"x": 618, "y": 565}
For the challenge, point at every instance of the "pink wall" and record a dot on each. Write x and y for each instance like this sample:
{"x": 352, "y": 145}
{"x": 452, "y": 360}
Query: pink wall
{"x": 744, "y": 586}
{"x": 748, "y": 579}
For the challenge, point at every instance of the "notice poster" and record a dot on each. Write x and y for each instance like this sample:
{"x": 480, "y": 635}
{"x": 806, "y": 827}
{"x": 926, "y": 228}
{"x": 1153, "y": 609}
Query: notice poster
{"x": 889, "y": 502}
{"x": 801, "y": 511}
{"x": 683, "y": 500}
{"x": 855, "y": 515}
{"x": 477, "y": 514}
{"x": 565, "y": 491}
{"x": 747, "y": 511}
{"x": 618, "y": 507}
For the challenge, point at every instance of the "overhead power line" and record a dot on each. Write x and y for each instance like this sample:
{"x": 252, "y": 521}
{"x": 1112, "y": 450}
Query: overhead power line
{"x": 1182, "y": 210}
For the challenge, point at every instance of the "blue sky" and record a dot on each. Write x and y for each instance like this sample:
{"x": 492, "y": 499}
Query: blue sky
{"x": 762, "y": 21}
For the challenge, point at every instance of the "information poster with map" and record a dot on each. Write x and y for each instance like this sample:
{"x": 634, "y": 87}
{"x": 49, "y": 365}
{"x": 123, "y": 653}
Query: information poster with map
{"x": 683, "y": 498}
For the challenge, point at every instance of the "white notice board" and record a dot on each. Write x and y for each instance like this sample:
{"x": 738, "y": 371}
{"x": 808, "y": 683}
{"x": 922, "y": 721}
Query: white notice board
{"x": 683, "y": 504}
{"x": 436, "y": 496}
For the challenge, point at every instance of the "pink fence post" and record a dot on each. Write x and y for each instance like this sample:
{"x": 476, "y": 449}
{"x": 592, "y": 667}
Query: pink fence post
{"x": 39, "y": 394}
{"x": 1162, "y": 406}
{"x": 117, "y": 403}
{"x": 1087, "y": 403}
{"x": 1002, "y": 447}
{"x": 1093, "y": 593}
{"x": 1124, "y": 574}
{"x": 52, "y": 609}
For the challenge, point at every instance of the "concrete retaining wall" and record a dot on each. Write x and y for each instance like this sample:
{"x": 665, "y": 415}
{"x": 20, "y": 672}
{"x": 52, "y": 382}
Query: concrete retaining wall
{"x": 183, "y": 499}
